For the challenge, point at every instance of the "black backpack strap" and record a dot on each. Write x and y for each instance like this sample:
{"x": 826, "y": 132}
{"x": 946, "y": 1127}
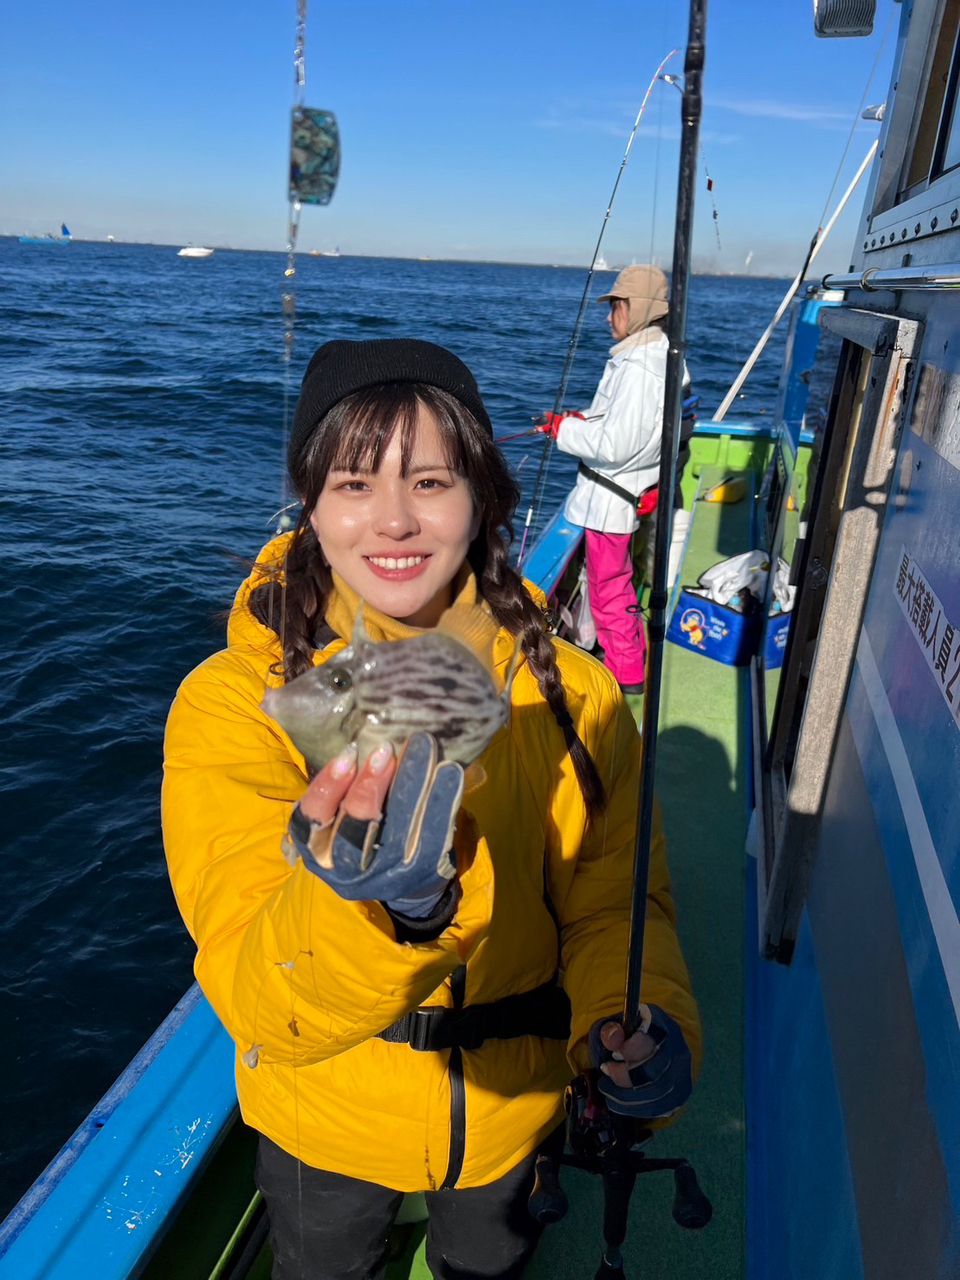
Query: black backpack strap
{"x": 606, "y": 483}
{"x": 544, "y": 1011}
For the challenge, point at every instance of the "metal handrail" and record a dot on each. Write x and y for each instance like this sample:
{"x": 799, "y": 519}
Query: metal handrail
{"x": 944, "y": 276}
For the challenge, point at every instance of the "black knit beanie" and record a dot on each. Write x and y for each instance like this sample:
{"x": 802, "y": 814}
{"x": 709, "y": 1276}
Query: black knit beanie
{"x": 339, "y": 368}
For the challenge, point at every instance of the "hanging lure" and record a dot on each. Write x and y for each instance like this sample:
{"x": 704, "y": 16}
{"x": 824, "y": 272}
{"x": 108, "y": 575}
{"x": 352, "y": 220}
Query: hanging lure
{"x": 314, "y": 155}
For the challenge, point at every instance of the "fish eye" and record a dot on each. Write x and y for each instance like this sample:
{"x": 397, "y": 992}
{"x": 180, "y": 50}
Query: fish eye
{"x": 340, "y": 678}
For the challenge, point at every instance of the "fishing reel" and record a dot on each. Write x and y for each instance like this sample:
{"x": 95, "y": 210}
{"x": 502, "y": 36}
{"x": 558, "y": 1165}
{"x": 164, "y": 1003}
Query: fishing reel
{"x": 600, "y": 1141}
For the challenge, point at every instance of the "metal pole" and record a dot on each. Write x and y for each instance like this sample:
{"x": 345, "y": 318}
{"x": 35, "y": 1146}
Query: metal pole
{"x": 673, "y": 403}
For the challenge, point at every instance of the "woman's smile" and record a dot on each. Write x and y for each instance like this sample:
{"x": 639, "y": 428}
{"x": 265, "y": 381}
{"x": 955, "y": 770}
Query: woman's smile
{"x": 398, "y": 568}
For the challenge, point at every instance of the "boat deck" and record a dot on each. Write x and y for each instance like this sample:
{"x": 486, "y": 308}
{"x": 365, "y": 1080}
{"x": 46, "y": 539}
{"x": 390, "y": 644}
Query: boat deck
{"x": 702, "y": 786}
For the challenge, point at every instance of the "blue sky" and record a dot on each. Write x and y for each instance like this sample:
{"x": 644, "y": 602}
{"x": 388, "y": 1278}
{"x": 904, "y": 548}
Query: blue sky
{"x": 472, "y": 130}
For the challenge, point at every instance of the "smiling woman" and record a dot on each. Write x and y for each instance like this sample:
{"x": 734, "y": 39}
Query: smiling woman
{"x": 413, "y": 896}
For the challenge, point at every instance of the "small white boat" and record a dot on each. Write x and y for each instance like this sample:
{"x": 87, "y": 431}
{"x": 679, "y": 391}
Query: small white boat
{"x": 194, "y": 251}
{"x": 601, "y": 264}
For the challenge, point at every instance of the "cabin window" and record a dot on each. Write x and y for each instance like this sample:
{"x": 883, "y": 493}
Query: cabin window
{"x": 947, "y": 154}
{"x": 933, "y": 139}
{"x": 824, "y": 522}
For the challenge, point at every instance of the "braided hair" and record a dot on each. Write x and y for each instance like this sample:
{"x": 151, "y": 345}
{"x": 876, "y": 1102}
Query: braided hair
{"x": 353, "y": 436}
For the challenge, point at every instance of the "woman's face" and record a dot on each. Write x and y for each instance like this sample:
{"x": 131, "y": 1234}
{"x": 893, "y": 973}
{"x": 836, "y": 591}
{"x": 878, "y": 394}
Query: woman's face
{"x": 619, "y": 318}
{"x": 399, "y": 540}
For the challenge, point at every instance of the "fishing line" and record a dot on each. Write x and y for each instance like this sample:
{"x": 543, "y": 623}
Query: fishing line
{"x": 288, "y": 300}
{"x": 677, "y": 83}
{"x": 651, "y": 258}
{"x": 856, "y": 121}
{"x": 541, "y": 478}
{"x": 284, "y": 521}
{"x": 846, "y": 151}
{"x": 816, "y": 242}
{"x": 516, "y": 435}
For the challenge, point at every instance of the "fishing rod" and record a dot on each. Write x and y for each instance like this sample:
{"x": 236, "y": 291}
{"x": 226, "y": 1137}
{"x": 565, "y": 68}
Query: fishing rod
{"x": 601, "y": 1141}
{"x": 533, "y": 431}
{"x": 541, "y": 478}
{"x": 691, "y": 107}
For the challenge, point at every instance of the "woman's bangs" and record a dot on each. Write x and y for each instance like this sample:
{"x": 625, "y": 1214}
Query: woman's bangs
{"x": 369, "y": 419}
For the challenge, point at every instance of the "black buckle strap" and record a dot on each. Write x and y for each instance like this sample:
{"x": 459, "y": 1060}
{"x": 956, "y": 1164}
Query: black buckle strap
{"x": 544, "y": 1011}
{"x": 606, "y": 483}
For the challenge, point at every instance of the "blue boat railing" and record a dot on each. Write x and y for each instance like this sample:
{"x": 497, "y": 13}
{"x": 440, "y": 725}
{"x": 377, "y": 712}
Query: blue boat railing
{"x": 106, "y": 1198}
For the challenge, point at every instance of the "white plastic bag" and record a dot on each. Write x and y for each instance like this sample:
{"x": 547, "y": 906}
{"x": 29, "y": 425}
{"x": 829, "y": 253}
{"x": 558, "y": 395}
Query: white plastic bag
{"x": 748, "y": 571}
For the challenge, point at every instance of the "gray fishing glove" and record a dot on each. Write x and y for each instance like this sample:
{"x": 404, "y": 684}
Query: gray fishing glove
{"x": 402, "y": 860}
{"x": 661, "y": 1084}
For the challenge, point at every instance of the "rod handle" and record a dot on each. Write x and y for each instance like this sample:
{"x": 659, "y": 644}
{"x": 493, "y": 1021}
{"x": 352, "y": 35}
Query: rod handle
{"x": 691, "y": 1208}
{"x": 547, "y": 1202}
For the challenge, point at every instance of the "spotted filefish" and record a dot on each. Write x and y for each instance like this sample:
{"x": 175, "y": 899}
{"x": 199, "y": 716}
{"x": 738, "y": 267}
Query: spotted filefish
{"x": 371, "y": 693}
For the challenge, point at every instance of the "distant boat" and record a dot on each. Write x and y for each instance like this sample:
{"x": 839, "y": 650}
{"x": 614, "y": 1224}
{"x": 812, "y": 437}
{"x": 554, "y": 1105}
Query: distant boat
{"x": 194, "y": 251}
{"x": 63, "y": 238}
{"x": 601, "y": 264}
{"x": 330, "y": 253}
{"x": 111, "y": 239}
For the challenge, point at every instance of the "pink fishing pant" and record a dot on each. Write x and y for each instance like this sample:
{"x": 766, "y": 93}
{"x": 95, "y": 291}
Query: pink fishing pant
{"x": 610, "y": 584}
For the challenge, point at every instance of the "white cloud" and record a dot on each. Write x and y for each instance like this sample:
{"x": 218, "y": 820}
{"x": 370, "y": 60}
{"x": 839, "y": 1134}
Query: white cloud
{"x": 621, "y": 129}
{"x": 770, "y": 109}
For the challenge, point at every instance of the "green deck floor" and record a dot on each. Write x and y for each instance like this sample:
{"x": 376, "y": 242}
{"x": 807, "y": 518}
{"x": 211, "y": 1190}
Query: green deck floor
{"x": 701, "y": 783}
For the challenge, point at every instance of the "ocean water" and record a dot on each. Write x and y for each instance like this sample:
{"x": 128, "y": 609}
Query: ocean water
{"x": 141, "y": 461}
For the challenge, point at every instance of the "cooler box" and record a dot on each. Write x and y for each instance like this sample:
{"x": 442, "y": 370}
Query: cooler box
{"x": 714, "y": 630}
{"x": 775, "y": 640}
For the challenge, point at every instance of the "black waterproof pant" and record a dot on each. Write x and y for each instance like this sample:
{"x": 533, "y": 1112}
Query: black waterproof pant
{"x": 324, "y": 1226}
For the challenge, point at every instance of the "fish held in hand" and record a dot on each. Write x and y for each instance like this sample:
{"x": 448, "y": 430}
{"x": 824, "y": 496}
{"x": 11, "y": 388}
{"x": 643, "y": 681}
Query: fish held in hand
{"x": 372, "y": 693}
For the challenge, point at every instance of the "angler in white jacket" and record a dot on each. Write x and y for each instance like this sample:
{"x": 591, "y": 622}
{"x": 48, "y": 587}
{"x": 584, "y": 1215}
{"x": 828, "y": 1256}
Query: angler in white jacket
{"x": 618, "y": 443}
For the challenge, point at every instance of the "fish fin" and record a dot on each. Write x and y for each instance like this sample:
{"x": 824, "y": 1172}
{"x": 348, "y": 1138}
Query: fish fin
{"x": 512, "y": 669}
{"x": 474, "y": 776}
{"x": 360, "y": 636}
{"x": 475, "y": 629}
{"x": 289, "y": 851}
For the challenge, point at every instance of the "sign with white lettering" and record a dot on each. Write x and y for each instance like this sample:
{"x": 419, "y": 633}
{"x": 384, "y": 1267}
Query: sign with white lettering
{"x": 937, "y": 636}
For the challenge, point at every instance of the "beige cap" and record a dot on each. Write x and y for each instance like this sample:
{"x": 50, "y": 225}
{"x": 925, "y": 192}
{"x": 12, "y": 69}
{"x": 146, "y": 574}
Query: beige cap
{"x": 646, "y": 290}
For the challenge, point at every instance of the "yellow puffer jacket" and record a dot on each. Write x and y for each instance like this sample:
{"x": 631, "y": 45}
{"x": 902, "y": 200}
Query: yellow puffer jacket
{"x": 303, "y": 980}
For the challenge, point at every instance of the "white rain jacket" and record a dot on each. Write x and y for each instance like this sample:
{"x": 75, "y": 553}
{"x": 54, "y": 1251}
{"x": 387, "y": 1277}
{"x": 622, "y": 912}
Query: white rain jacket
{"x": 621, "y": 435}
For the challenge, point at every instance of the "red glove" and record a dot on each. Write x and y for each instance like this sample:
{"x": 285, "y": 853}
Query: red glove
{"x": 649, "y": 500}
{"x": 551, "y": 423}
